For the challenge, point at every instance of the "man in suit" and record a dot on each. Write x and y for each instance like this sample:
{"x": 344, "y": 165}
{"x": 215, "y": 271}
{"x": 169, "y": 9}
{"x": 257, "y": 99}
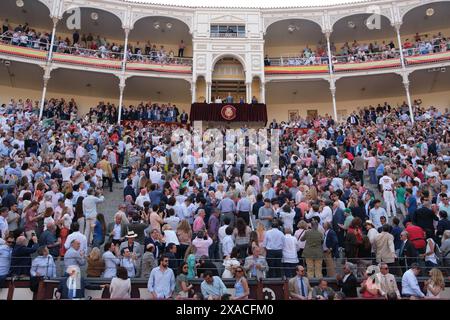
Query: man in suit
{"x": 299, "y": 288}
{"x": 330, "y": 249}
{"x": 408, "y": 253}
{"x": 256, "y": 265}
{"x": 138, "y": 228}
{"x": 387, "y": 281}
{"x": 117, "y": 230}
{"x": 425, "y": 217}
{"x": 155, "y": 239}
{"x": 323, "y": 291}
{"x": 338, "y": 219}
{"x": 129, "y": 190}
{"x": 132, "y": 245}
{"x": 348, "y": 283}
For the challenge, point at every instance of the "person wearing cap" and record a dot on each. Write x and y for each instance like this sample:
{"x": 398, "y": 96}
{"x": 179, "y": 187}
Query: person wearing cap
{"x": 410, "y": 285}
{"x": 133, "y": 246}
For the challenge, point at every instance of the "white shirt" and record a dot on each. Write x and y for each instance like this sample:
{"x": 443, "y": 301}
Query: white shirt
{"x": 290, "y": 249}
{"x": 387, "y": 183}
{"x": 222, "y": 233}
{"x": 141, "y": 199}
{"x": 376, "y": 214}
{"x": 66, "y": 172}
{"x": 155, "y": 175}
{"x": 326, "y": 215}
{"x": 171, "y": 237}
{"x": 288, "y": 219}
{"x": 410, "y": 285}
{"x": 372, "y": 235}
{"x": 227, "y": 245}
{"x": 90, "y": 206}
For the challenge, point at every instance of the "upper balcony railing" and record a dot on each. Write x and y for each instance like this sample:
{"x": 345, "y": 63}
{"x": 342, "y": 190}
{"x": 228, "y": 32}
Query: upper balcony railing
{"x": 100, "y": 58}
{"x": 227, "y": 35}
{"x": 292, "y": 64}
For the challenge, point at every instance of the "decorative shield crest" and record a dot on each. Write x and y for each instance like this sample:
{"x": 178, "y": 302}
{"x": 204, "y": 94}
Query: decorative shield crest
{"x": 228, "y": 112}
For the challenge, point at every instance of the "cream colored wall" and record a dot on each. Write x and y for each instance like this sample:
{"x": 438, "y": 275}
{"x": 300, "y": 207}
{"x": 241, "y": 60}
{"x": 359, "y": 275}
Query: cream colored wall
{"x": 293, "y": 50}
{"x": 440, "y": 100}
{"x": 201, "y": 90}
{"x": 84, "y": 102}
{"x": 256, "y": 88}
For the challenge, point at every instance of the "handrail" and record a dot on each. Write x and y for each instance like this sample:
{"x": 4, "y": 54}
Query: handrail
{"x": 99, "y": 53}
{"x": 298, "y": 60}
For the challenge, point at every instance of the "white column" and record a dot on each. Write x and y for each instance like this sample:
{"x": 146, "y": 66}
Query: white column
{"x": 122, "y": 85}
{"x": 408, "y": 96}
{"x": 333, "y": 95}
{"x": 52, "y": 40}
{"x": 330, "y": 70}
{"x": 208, "y": 92}
{"x": 194, "y": 91}
{"x": 125, "y": 50}
{"x": 400, "y": 45}
{"x": 249, "y": 92}
{"x": 330, "y": 63}
{"x": 263, "y": 92}
{"x": 44, "y": 92}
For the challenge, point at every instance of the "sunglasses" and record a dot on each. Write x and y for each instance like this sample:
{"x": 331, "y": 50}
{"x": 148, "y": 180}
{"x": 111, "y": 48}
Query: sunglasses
{"x": 239, "y": 271}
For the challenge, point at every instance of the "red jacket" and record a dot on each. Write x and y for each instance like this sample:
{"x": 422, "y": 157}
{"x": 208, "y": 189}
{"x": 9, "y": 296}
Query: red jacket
{"x": 416, "y": 236}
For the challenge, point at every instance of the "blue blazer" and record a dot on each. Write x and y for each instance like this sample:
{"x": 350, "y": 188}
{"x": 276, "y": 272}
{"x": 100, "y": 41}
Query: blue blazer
{"x": 332, "y": 242}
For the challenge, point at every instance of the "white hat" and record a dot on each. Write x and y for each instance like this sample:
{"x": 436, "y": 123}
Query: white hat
{"x": 131, "y": 234}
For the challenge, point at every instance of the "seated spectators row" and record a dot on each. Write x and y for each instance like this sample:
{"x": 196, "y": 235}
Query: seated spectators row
{"x": 91, "y": 46}
{"x": 363, "y": 52}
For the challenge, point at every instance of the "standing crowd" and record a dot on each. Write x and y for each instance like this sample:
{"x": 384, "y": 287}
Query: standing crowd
{"x": 361, "y": 201}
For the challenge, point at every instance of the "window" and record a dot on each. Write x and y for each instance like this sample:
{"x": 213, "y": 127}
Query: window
{"x": 227, "y": 31}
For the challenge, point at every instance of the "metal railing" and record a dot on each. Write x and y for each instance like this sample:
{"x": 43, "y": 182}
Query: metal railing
{"x": 275, "y": 266}
{"x": 290, "y": 59}
{"x": 101, "y": 53}
{"x": 227, "y": 35}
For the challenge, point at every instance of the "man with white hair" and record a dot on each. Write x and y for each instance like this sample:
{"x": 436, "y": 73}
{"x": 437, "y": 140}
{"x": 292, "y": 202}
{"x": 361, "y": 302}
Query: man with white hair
{"x": 75, "y": 255}
{"x": 73, "y": 286}
{"x": 142, "y": 198}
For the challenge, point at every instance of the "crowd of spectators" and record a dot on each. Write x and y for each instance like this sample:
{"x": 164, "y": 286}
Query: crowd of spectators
{"x": 364, "y": 52}
{"x": 91, "y": 46}
{"x": 361, "y": 201}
